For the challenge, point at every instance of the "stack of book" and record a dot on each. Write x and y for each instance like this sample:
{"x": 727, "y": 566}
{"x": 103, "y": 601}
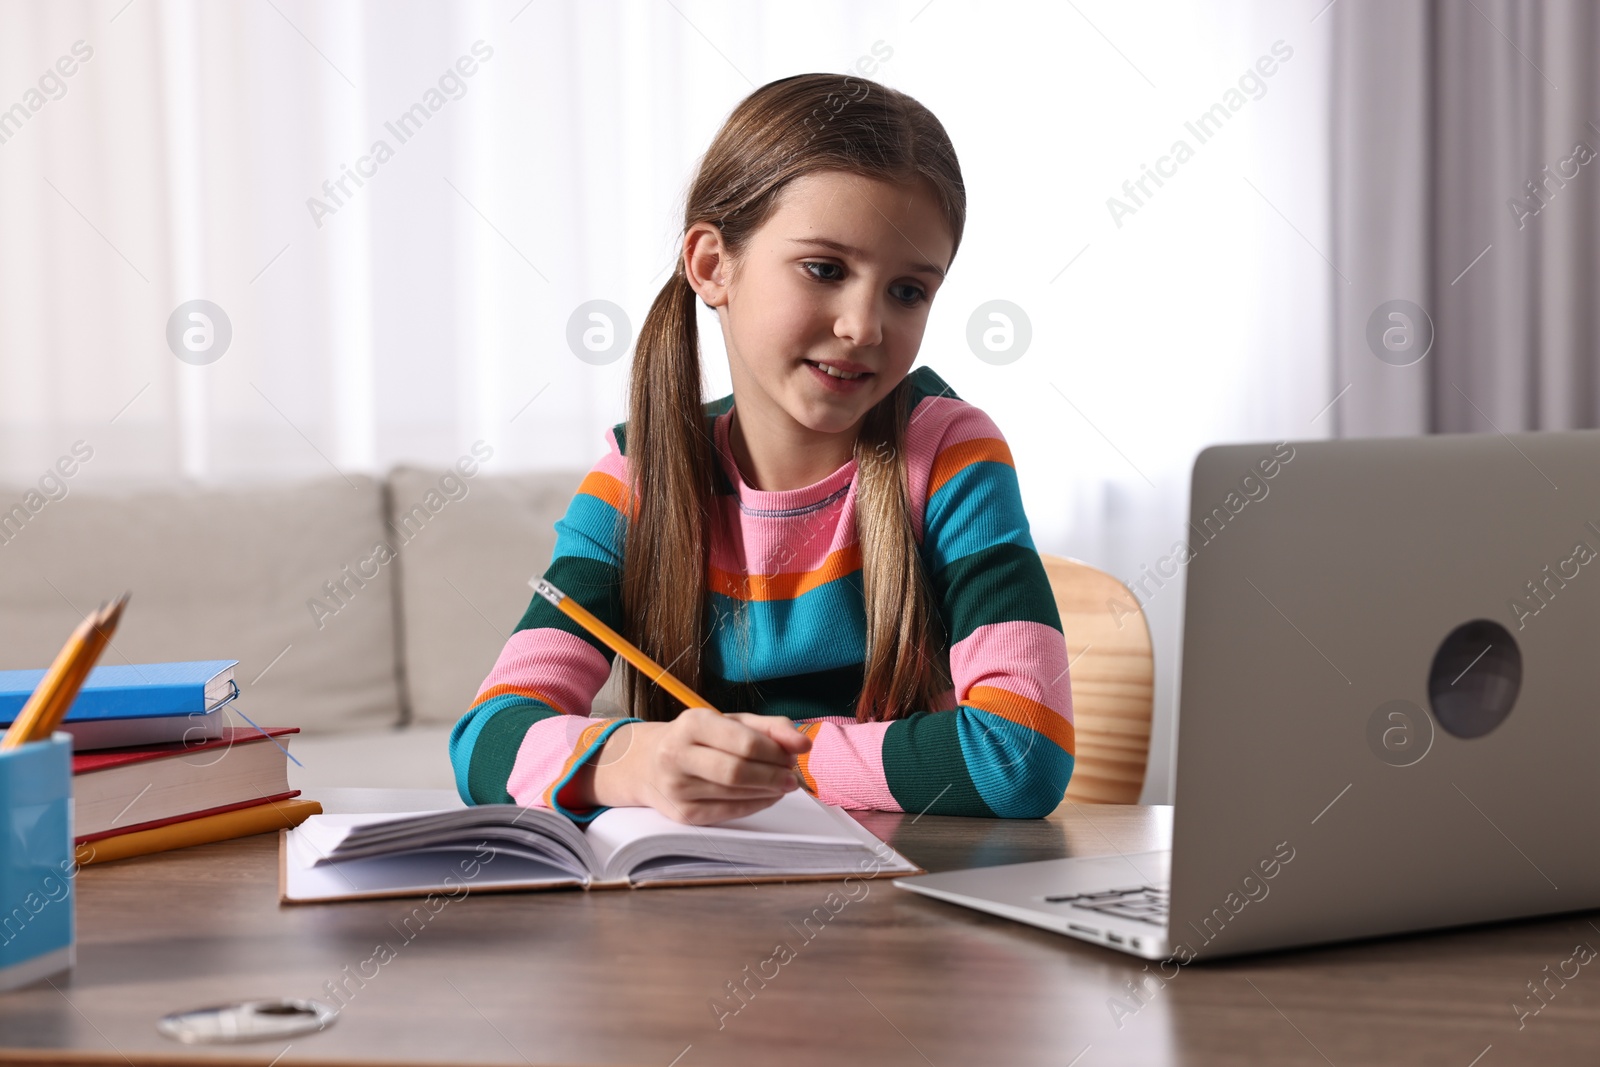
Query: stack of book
{"x": 156, "y": 764}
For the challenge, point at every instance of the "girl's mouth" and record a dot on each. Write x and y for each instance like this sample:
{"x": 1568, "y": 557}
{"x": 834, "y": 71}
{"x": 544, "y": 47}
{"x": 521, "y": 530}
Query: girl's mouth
{"x": 836, "y": 379}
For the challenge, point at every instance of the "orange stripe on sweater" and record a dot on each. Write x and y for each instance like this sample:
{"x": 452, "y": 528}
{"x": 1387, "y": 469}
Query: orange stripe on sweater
{"x": 517, "y": 690}
{"x": 604, "y": 487}
{"x": 784, "y": 586}
{"x": 953, "y": 460}
{"x": 803, "y": 761}
{"x": 585, "y": 739}
{"x": 1024, "y": 712}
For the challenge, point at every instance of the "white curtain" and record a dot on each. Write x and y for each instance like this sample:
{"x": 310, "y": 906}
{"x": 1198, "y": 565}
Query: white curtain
{"x": 1466, "y": 140}
{"x": 196, "y": 152}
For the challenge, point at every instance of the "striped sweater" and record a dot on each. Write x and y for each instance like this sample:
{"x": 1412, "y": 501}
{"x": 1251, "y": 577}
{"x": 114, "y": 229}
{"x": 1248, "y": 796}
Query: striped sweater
{"x": 788, "y": 632}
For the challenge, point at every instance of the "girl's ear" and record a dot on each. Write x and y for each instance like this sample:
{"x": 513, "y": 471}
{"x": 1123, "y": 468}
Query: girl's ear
{"x": 707, "y": 264}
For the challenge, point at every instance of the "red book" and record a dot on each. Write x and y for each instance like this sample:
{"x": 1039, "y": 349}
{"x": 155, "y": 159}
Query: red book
{"x": 119, "y": 830}
{"x": 122, "y": 789}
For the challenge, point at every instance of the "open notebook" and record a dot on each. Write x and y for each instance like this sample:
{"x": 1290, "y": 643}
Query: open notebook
{"x": 504, "y": 846}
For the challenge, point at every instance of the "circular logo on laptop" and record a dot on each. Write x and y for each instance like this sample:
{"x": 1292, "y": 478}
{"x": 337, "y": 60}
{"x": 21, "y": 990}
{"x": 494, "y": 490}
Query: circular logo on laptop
{"x": 1399, "y": 733}
{"x": 1399, "y": 332}
{"x": 1475, "y": 678}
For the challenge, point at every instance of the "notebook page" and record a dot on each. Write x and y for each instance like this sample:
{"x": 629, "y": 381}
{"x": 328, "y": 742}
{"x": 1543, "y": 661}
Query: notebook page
{"x": 796, "y": 830}
{"x": 504, "y": 827}
{"x": 410, "y": 874}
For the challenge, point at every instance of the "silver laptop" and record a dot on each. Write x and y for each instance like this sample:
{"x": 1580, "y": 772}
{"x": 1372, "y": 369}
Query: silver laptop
{"x": 1390, "y": 705}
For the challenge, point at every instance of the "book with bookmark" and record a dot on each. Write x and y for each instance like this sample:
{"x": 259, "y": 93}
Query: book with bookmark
{"x": 135, "y": 704}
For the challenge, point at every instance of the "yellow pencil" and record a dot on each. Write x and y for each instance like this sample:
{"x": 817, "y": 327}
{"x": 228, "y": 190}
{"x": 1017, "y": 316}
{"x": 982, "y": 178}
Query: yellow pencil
{"x": 105, "y": 624}
{"x": 621, "y": 645}
{"x": 54, "y": 695}
{"x": 22, "y": 729}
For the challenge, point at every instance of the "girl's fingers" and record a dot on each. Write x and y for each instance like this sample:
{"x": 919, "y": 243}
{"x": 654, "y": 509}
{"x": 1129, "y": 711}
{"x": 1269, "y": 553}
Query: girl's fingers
{"x": 733, "y": 736}
{"x": 722, "y": 768}
{"x": 780, "y": 728}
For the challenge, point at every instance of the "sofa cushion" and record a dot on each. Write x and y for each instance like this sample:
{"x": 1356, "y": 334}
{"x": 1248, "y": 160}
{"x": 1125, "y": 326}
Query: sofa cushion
{"x": 411, "y": 757}
{"x": 218, "y": 573}
{"x": 467, "y": 546}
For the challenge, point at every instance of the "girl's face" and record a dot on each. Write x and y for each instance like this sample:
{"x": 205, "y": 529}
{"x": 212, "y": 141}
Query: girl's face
{"x": 841, "y": 275}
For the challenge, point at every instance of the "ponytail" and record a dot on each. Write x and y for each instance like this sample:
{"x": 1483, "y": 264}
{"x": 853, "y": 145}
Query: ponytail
{"x": 670, "y": 460}
{"x": 906, "y": 666}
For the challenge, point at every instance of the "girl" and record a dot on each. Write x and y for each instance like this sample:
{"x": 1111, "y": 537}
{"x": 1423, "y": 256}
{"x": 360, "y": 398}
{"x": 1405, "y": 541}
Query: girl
{"x": 835, "y": 555}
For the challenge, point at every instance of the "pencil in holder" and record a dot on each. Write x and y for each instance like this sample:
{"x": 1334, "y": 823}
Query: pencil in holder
{"x": 37, "y": 866}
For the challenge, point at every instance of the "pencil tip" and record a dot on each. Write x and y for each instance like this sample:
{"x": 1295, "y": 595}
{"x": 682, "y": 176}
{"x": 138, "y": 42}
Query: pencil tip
{"x": 110, "y": 612}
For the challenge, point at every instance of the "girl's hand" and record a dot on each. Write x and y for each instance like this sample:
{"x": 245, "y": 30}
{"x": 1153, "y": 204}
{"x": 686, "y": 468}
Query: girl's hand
{"x": 701, "y": 767}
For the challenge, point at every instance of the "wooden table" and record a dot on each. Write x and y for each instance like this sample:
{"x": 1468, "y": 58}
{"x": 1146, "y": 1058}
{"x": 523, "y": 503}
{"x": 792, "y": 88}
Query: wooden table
{"x": 892, "y": 978}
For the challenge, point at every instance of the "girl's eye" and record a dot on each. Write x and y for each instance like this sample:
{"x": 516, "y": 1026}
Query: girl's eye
{"x": 916, "y": 295}
{"x": 910, "y": 295}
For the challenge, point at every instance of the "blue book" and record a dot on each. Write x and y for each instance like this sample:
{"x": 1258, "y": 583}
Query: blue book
{"x": 138, "y": 704}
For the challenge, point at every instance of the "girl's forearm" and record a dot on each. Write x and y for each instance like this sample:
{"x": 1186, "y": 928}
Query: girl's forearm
{"x": 608, "y": 779}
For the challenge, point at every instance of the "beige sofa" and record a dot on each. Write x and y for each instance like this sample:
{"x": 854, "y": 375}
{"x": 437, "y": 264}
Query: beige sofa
{"x": 364, "y": 611}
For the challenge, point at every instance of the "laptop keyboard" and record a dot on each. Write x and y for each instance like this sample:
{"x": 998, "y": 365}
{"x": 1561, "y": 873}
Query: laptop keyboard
{"x": 1144, "y": 903}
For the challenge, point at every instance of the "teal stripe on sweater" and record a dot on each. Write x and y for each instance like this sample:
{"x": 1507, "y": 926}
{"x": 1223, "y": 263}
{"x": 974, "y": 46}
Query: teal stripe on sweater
{"x": 1020, "y": 773}
{"x": 980, "y": 506}
{"x": 592, "y": 529}
{"x": 821, "y": 629}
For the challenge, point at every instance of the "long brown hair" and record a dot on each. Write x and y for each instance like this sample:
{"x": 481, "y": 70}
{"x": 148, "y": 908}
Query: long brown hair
{"x": 783, "y": 130}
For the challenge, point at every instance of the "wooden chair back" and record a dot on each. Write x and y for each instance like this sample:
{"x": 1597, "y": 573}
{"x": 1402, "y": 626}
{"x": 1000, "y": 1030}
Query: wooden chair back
{"x": 1113, "y": 681}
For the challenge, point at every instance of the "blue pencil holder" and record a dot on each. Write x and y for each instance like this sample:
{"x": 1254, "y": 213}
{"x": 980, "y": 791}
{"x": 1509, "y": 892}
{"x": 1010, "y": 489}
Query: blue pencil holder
{"x": 37, "y": 863}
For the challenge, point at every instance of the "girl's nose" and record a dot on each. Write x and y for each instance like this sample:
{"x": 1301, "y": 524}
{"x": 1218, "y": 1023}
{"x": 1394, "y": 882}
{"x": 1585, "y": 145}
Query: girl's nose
{"x": 860, "y": 322}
